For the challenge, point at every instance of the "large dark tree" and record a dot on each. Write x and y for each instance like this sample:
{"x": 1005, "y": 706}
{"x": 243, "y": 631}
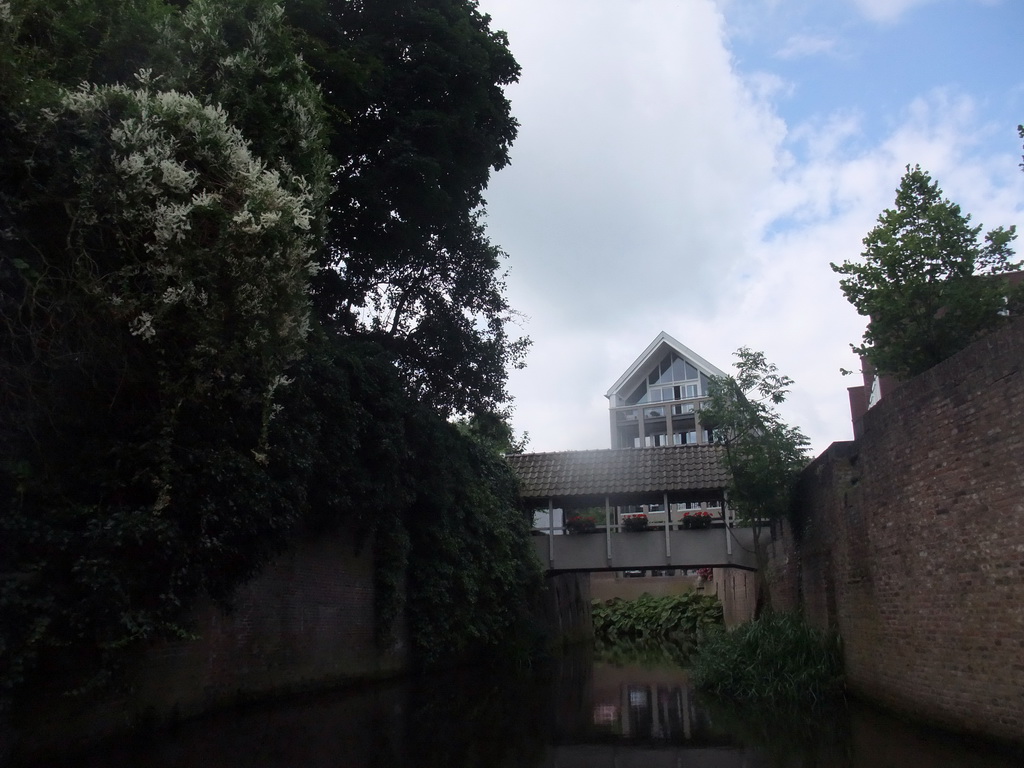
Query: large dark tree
{"x": 175, "y": 405}
{"x": 928, "y": 284}
{"x": 419, "y": 121}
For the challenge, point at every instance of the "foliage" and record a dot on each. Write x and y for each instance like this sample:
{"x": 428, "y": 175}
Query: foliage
{"x": 706, "y": 574}
{"x": 420, "y": 119}
{"x": 579, "y": 524}
{"x": 671, "y": 617}
{"x": 635, "y": 522}
{"x": 474, "y": 577}
{"x": 774, "y": 661}
{"x": 764, "y": 454}
{"x": 154, "y": 298}
{"x": 186, "y": 389}
{"x": 919, "y": 283}
{"x": 699, "y": 518}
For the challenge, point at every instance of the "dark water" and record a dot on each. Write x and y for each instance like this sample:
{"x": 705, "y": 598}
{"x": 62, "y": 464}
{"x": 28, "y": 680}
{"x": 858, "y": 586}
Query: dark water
{"x": 576, "y": 714}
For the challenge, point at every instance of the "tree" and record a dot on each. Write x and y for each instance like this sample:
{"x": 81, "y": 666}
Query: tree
{"x": 154, "y": 299}
{"x": 419, "y": 121}
{"x": 178, "y": 401}
{"x": 928, "y": 285}
{"x": 764, "y": 454}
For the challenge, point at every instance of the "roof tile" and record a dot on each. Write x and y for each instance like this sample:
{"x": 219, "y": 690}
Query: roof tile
{"x": 627, "y": 471}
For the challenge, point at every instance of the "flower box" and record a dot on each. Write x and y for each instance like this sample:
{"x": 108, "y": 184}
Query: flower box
{"x": 636, "y": 521}
{"x": 699, "y": 518}
{"x": 577, "y": 525}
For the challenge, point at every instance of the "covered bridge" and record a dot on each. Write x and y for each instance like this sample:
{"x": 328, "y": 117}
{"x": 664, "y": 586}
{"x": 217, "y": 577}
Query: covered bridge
{"x": 676, "y": 480}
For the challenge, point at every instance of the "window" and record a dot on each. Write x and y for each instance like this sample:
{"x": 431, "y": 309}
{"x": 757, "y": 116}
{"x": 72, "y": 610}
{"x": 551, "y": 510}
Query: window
{"x": 682, "y": 410}
{"x": 639, "y": 394}
{"x": 654, "y": 413}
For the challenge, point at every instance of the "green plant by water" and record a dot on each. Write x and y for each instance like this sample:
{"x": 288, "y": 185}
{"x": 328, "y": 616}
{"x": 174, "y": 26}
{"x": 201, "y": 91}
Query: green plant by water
{"x": 669, "y": 617}
{"x": 777, "y": 660}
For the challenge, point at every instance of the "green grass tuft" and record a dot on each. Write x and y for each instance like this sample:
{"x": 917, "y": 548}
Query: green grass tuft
{"x": 777, "y": 660}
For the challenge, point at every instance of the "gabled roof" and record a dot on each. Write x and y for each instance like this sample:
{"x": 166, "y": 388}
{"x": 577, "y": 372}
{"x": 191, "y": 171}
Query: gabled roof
{"x": 682, "y": 471}
{"x": 654, "y": 353}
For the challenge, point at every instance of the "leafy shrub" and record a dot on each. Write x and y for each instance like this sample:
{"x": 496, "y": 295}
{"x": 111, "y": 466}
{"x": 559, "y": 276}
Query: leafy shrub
{"x": 700, "y": 518}
{"x": 580, "y": 525}
{"x": 776, "y": 660}
{"x": 635, "y": 522}
{"x": 671, "y": 617}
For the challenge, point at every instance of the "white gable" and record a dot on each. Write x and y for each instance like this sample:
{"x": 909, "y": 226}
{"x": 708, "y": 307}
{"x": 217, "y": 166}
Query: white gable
{"x": 651, "y": 356}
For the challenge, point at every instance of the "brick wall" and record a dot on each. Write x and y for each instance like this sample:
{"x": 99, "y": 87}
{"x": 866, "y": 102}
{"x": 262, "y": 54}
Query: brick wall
{"x": 910, "y": 542}
{"x": 567, "y": 608}
{"x": 606, "y": 585}
{"x": 736, "y": 590}
{"x": 306, "y": 622}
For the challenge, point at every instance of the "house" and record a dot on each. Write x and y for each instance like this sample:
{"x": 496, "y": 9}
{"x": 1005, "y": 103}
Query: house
{"x": 657, "y": 401}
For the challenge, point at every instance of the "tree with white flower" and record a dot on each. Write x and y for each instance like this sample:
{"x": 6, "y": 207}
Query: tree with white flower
{"x": 160, "y": 231}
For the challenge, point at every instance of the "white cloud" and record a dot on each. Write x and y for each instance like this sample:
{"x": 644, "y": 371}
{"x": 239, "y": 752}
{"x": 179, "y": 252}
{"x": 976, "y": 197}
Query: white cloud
{"x": 635, "y": 131}
{"x": 802, "y": 46}
{"x": 654, "y": 188}
{"x": 887, "y": 11}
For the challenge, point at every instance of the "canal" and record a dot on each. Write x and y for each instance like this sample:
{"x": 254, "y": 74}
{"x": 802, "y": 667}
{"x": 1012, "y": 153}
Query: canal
{"x": 577, "y": 712}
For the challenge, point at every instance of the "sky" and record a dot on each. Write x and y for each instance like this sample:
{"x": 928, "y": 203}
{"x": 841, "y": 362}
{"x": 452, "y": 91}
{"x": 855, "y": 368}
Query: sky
{"x": 693, "y": 166}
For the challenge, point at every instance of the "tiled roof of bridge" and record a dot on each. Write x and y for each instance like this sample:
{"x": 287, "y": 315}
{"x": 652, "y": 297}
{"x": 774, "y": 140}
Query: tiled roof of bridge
{"x": 620, "y": 472}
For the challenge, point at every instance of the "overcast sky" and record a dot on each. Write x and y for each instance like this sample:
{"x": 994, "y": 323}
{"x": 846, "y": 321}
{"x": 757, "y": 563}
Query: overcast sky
{"x": 693, "y": 166}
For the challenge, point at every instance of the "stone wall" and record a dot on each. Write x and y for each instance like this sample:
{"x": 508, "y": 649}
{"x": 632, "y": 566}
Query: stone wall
{"x": 910, "y": 541}
{"x": 567, "y": 608}
{"x": 606, "y": 585}
{"x": 306, "y": 622}
{"x": 736, "y": 590}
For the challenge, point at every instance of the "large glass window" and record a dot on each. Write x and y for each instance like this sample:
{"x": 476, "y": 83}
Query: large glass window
{"x": 661, "y": 382}
{"x": 639, "y": 395}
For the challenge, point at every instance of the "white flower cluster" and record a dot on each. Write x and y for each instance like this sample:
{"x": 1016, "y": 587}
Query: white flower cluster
{"x": 215, "y": 246}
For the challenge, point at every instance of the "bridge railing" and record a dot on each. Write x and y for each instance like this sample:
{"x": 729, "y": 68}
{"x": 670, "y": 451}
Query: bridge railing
{"x": 612, "y": 547}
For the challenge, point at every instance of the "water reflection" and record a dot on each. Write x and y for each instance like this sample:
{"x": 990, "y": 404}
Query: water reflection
{"x": 578, "y": 713}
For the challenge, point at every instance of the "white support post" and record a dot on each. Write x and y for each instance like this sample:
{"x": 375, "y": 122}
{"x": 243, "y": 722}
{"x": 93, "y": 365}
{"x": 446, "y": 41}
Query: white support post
{"x": 725, "y": 517}
{"x": 668, "y": 541}
{"x": 608, "y": 529}
{"x": 551, "y": 533}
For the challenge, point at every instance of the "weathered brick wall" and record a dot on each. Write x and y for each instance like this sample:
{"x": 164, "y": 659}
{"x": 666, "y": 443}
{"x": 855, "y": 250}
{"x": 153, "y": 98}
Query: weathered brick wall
{"x": 912, "y": 544}
{"x": 567, "y": 608}
{"x": 605, "y": 586}
{"x": 306, "y": 622}
{"x": 736, "y": 590}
